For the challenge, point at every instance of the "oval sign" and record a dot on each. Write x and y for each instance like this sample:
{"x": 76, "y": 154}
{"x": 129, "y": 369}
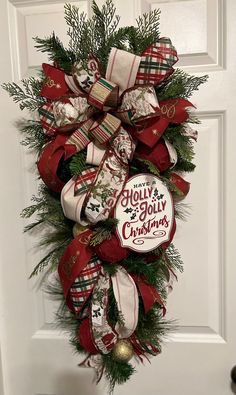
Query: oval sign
{"x": 145, "y": 212}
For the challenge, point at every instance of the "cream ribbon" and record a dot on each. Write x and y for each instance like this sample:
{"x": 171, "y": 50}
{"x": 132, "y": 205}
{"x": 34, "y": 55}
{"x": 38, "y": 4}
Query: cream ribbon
{"x": 122, "y": 68}
{"x": 126, "y": 295}
{"x": 95, "y": 154}
{"x": 72, "y": 205}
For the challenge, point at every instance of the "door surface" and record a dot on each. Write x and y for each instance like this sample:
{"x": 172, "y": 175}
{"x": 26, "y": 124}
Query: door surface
{"x": 35, "y": 358}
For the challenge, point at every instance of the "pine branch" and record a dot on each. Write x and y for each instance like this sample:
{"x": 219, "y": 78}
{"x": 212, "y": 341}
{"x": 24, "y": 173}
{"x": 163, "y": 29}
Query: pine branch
{"x": 52, "y": 258}
{"x": 184, "y": 166}
{"x": 174, "y": 258}
{"x": 147, "y": 31}
{"x": 179, "y": 84}
{"x": 183, "y": 144}
{"x": 116, "y": 372}
{"x": 78, "y": 163}
{"x": 80, "y": 32}
{"x": 103, "y": 231}
{"x": 34, "y": 137}
{"x": 28, "y": 96}
{"x": 152, "y": 328}
{"x": 182, "y": 210}
{"x": 56, "y": 51}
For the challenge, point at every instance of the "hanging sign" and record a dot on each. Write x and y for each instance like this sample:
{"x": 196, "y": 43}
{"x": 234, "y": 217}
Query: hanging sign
{"x": 145, "y": 213}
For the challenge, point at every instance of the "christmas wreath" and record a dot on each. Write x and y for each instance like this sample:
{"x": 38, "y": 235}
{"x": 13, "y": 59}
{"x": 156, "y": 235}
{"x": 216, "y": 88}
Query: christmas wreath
{"x": 110, "y": 127}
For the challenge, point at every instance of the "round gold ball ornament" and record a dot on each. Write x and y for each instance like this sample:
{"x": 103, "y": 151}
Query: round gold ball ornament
{"x": 122, "y": 351}
{"x": 77, "y": 229}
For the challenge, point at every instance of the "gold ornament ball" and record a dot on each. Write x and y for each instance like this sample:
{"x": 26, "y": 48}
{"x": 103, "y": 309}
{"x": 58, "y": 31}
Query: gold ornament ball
{"x": 77, "y": 229}
{"x": 122, "y": 351}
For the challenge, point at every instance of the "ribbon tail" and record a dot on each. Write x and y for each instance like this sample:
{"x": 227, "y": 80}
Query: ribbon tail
{"x": 103, "y": 334}
{"x": 126, "y": 295}
{"x": 95, "y": 362}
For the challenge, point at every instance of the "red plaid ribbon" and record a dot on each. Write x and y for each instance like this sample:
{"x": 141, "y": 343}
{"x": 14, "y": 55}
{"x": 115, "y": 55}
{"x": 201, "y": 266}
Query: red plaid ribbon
{"x": 84, "y": 284}
{"x": 85, "y": 180}
{"x": 156, "y": 63}
{"x": 47, "y": 119}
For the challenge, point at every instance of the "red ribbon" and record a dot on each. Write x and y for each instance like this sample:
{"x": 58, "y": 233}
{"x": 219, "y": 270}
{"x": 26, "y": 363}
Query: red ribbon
{"x": 49, "y": 161}
{"x": 74, "y": 260}
{"x": 149, "y": 294}
{"x": 54, "y": 86}
{"x": 171, "y": 111}
{"x": 180, "y": 183}
{"x": 86, "y": 338}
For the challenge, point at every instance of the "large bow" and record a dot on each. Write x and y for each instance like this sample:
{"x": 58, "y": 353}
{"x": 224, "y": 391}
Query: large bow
{"x": 74, "y": 103}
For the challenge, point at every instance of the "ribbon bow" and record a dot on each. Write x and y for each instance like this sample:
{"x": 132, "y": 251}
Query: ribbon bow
{"x": 74, "y": 103}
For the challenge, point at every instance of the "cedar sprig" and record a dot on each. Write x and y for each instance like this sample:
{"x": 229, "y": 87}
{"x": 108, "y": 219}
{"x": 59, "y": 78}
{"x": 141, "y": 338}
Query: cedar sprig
{"x": 33, "y": 136}
{"x": 179, "y": 84}
{"x": 27, "y": 95}
{"x": 56, "y": 51}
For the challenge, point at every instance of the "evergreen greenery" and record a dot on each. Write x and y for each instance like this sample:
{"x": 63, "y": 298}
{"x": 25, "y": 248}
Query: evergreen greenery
{"x": 97, "y": 36}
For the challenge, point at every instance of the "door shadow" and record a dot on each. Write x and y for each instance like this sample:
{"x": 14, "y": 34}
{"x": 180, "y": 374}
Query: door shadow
{"x": 233, "y": 388}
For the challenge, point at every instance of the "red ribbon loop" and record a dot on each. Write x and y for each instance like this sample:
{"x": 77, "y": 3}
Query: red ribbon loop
{"x": 171, "y": 111}
{"x": 74, "y": 260}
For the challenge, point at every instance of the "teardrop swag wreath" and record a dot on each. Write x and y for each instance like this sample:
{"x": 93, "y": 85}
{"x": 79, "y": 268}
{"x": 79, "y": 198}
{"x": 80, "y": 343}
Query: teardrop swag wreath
{"x": 110, "y": 126}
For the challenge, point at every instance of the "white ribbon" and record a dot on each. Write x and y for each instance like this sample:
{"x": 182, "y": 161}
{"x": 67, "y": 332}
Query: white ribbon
{"x": 94, "y": 154}
{"x": 172, "y": 152}
{"x": 126, "y": 295}
{"x": 103, "y": 334}
{"x": 122, "y": 68}
{"x": 72, "y": 205}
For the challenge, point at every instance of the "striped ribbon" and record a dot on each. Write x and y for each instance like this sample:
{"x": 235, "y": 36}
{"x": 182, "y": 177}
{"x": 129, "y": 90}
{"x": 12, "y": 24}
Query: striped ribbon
{"x": 103, "y": 93}
{"x": 126, "y": 295}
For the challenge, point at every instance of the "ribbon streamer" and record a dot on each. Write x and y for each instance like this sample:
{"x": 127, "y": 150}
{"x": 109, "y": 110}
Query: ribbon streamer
{"x": 73, "y": 262}
{"x": 103, "y": 334}
{"x": 110, "y": 179}
{"x": 126, "y": 295}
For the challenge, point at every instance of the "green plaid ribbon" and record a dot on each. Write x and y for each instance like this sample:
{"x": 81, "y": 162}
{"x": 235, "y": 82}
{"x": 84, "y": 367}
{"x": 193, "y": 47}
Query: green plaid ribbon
{"x": 85, "y": 180}
{"x": 84, "y": 284}
{"x": 156, "y": 62}
{"x": 47, "y": 119}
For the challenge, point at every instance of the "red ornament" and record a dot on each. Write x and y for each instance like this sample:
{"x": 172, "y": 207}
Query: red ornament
{"x": 54, "y": 86}
{"x": 110, "y": 250}
{"x": 158, "y": 155}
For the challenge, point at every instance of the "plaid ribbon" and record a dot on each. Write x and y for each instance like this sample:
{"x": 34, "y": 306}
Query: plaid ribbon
{"x": 156, "y": 62}
{"x": 84, "y": 284}
{"x": 85, "y": 180}
{"x": 47, "y": 119}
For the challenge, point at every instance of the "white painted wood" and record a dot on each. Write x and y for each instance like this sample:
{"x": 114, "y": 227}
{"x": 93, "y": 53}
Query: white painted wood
{"x": 35, "y": 357}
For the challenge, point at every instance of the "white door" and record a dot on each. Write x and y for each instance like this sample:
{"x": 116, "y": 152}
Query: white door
{"x": 35, "y": 359}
